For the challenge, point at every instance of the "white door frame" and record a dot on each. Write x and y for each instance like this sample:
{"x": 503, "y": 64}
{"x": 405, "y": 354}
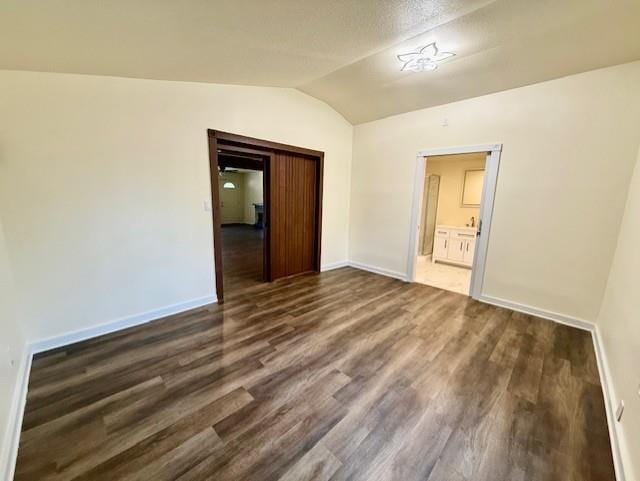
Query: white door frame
{"x": 486, "y": 208}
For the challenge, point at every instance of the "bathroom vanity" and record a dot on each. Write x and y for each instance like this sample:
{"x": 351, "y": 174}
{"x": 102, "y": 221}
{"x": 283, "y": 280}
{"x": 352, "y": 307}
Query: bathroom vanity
{"x": 454, "y": 245}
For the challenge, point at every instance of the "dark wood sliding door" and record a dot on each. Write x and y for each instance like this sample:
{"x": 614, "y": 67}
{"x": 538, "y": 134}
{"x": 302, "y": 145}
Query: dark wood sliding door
{"x": 293, "y": 214}
{"x": 292, "y": 203}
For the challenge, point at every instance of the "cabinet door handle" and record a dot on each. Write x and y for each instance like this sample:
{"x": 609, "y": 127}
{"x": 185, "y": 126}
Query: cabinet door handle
{"x": 445, "y": 244}
{"x": 460, "y": 245}
{"x": 467, "y": 247}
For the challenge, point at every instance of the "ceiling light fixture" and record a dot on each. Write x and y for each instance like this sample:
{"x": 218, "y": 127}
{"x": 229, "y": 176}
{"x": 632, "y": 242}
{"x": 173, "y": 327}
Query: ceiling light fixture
{"x": 424, "y": 59}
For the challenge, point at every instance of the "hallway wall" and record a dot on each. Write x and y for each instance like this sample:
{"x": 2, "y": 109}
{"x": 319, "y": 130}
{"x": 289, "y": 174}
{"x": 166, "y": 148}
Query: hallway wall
{"x": 253, "y": 194}
{"x": 232, "y": 200}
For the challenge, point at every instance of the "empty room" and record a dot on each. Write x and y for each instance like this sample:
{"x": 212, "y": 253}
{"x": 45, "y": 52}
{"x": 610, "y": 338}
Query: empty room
{"x": 293, "y": 241}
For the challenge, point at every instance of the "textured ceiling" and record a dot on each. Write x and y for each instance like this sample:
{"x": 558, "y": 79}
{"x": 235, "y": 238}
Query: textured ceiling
{"x": 340, "y": 51}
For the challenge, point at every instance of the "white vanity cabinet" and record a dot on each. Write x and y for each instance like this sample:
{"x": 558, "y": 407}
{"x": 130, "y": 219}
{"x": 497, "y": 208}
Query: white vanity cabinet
{"x": 454, "y": 245}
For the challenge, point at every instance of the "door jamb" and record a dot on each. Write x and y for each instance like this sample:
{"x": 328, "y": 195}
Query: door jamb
{"x": 215, "y": 214}
{"x": 492, "y": 165}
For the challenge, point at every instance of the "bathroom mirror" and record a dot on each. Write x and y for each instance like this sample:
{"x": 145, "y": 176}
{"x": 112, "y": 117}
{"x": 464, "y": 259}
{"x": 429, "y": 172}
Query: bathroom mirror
{"x": 472, "y": 187}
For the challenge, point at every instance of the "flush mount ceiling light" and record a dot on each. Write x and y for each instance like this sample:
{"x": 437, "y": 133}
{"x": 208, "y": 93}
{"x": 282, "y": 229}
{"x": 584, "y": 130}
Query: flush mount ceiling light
{"x": 424, "y": 59}
{"x": 229, "y": 185}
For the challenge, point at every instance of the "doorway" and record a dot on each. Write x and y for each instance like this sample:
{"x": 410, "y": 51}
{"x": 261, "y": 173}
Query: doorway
{"x": 453, "y": 203}
{"x": 241, "y": 187}
{"x": 287, "y": 226}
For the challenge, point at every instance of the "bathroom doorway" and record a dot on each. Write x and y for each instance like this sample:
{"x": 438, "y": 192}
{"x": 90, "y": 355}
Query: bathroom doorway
{"x": 452, "y": 203}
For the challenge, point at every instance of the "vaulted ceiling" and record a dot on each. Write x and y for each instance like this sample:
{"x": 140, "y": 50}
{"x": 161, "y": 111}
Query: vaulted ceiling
{"x": 343, "y": 52}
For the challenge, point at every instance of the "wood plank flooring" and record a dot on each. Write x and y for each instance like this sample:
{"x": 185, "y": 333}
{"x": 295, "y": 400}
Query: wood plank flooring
{"x": 242, "y": 259}
{"x": 344, "y": 375}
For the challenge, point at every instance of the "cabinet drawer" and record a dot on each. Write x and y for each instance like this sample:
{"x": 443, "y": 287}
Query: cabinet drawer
{"x": 463, "y": 234}
{"x": 442, "y": 232}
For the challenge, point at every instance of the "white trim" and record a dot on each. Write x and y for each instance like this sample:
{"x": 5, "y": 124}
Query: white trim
{"x": 464, "y": 149}
{"x": 492, "y": 165}
{"x": 536, "y": 311}
{"x": 12, "y": 435}
{"x": 379, "y": 270}
{"x": 603, "y": 367}
{"x": 416, "y": 215}
{"x": 10, "y": 452}
{"x": 609, "y": 402}
{"x": 42, "y": 345}
{"x": 334, "y": 265}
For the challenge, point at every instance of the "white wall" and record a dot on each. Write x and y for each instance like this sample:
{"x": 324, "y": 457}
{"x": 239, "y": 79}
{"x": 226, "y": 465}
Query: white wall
{"x": 451, "y": 169}
{"x": 104, "y": 180}
{"x": 569, "y": 150}
{"x": 619, "y": 326}
{"x": 253, "y": 187}
{"x": 232, "y": 200}
{"x": 12, "y": 354}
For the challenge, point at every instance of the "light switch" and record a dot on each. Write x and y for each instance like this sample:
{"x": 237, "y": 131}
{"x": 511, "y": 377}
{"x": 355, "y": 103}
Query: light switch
{"x": 207, "y": 206}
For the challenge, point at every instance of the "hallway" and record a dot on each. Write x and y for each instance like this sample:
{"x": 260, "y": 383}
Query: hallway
{"x": 242, "y": 258}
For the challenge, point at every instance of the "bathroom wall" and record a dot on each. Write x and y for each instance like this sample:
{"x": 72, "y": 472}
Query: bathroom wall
{"x": 451, "y": 169}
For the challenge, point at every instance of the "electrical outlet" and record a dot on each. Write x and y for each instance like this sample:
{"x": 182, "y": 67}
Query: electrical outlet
{"x": 620, "y": 410}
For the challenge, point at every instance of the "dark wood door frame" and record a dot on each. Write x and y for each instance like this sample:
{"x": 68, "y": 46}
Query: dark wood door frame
{"x": 239, "y": 144}
{"x": 236, "y": 157}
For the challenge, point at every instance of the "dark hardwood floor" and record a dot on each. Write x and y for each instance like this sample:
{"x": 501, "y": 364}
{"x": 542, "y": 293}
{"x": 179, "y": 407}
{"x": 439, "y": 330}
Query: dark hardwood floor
{"x": 242, "y": 258}
{"x": 342, "y": 375}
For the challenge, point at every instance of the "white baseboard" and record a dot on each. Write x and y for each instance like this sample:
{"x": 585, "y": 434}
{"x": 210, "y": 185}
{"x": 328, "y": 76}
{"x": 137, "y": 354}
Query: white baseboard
{"x": 603, "y": 367}
{"x": 118, "y": 324}
{"x": 19, "y": 401}
{"x": 379, "y": 270}
{"x": 609, "y": 402}
{"x": 10, "y": 448}
{"x": 536, "y": 311}
{"x": 334, "y": 265}
{"x": 20, "y": 395}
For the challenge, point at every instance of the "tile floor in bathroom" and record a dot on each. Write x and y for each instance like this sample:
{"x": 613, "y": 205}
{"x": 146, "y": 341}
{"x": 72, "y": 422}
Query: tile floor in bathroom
{"x": 444, "y": 276}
